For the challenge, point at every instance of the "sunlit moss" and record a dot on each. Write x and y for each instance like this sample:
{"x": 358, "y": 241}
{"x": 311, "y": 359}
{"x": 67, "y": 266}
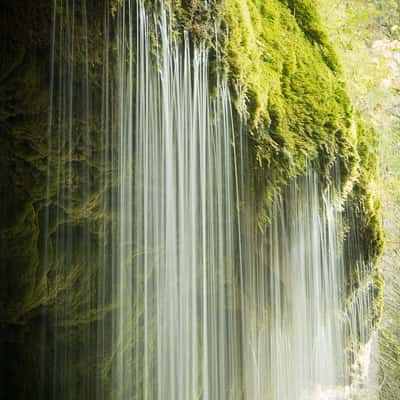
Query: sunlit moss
{"x": 288, "y": 88}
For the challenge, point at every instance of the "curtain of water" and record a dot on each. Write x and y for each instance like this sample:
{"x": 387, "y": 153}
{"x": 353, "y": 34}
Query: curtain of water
{"x": 167, "y": 286}
{"x": 177, "y": 225}
{"x": 294, "y": 329}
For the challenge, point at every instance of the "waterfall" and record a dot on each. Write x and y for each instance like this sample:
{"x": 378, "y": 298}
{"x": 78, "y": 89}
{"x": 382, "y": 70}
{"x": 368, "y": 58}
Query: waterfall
{"x": 167, "y": 286}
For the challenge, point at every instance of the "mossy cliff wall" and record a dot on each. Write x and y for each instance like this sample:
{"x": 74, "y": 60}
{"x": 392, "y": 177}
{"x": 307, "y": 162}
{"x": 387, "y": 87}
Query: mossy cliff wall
{"x": 287, "y": 90}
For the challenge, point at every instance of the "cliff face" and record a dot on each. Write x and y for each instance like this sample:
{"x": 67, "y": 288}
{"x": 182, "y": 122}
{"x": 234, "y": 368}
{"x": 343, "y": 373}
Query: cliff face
{"x": 27, "y": 290}
{"x": 287, "y": 88}
{"x": 24, "y": 103}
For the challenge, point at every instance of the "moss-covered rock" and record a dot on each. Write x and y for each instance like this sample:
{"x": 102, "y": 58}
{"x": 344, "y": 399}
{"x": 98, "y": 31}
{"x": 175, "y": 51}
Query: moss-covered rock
{"x": 363, "y": 219}
{"x": 289, "y": 89}
{"x": 288, "y": 93}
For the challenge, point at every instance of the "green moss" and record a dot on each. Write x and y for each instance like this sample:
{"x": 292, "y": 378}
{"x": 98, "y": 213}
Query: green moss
{"x": 289, "y": 89}
{"x": 365, "y": 192}
{"x": 309, "y": 21}
{"x": 365, "y": 236}
{"x": 367, "y": 203}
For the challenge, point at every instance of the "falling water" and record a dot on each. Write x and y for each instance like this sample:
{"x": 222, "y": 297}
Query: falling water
{"x": 293, "y": 291}
{"x": 177, "y": 225}
{"x": 167, "y": 287}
